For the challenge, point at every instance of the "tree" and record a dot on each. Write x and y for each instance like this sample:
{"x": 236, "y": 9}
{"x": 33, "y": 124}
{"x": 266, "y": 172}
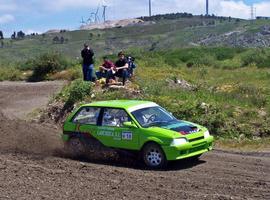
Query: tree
{"x": 20, "y": 35}
{"x": 62, "y": 40}
{"x": 56, "y": 40}
{"x": 91, "y": 35}
{"x": 1, "y": 35}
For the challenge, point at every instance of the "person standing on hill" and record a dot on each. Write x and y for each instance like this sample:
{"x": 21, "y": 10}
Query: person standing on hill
{"x": 88, "y": 63}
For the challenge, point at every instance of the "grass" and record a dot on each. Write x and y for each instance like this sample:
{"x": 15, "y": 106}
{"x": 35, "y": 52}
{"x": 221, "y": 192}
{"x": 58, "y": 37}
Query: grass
{"x": 238, "y": 98}
{"x": 11, "y": 74}
{"x": 244, "y": 145}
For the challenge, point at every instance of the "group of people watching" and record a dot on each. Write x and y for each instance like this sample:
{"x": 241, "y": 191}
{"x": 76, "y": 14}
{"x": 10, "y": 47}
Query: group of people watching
{"x": 122, "y": 68}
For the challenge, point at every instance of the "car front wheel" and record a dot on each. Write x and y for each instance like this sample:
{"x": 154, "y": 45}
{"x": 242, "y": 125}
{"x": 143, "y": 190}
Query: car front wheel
{"x": 154, "y": 156}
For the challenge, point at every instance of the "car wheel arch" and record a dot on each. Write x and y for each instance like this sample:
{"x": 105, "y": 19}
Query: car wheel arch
{"x": 152, "y": 140}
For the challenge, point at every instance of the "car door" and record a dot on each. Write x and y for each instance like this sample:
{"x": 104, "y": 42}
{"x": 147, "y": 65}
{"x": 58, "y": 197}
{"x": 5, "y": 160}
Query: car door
{"x": 86, "y": 120}
{"x": 113, "y": 133}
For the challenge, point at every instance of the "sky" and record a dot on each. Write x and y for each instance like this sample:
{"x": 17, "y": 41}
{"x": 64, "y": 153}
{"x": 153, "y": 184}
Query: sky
{"x": 42, "y": 15}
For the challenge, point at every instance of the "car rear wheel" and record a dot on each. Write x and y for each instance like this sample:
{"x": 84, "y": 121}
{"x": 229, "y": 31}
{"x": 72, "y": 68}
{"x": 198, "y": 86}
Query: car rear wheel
{"x": 154, "y": 156}
{"x": 75, "y": 147}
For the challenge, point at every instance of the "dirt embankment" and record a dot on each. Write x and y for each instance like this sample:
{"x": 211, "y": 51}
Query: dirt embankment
{"x": 18, "y": 136}
{"x": 17, "y": 100}
{"x": 31, "y": 166}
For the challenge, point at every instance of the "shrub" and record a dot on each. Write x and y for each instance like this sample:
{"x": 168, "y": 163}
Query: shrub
{"x": 10, "y": 74}
{"x": 76, "y": 91}
{"x": 207, "y": 115}
{"x": 45, "y": 64}
{"x": 224, "y": 53}
{"x": 253, "y": 94}
{"x": 206, "y": 60}
{"x": 70, "y": 74}
{"x": 229, "y": 64}
{"x": 259, "y": 57}
{"x": 265, "y": 63}
{"x": 186, "y": 55}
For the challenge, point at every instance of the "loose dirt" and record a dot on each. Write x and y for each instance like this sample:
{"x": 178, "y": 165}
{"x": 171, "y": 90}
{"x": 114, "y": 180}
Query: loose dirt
{"x": 18, "y": 99}
{"x": 33, "y": 165}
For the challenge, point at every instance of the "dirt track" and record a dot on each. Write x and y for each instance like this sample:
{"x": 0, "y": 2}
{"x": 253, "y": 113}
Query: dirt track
{"x": 17, "y": 99}
{"x": 33, "y": 166}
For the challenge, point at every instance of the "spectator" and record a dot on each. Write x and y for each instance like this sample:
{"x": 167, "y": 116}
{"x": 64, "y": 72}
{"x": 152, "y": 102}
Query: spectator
{"x": 105, "y": 68}
{"x": 88, "y": 63}
{"x": 121, "y": 68}
{"x": 131, "y": 66}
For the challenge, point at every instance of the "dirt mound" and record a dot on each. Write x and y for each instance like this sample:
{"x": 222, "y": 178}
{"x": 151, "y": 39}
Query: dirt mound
{"x": 19, "y": 99}
{"x": 24, "y": 137}
{"x": 16, "y": 101}
{"x": 112, "y": 24}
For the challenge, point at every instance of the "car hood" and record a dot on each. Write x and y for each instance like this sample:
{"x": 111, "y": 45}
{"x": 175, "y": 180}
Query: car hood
{"x": 176, "y": 129}
{"x": 182, "y": 127}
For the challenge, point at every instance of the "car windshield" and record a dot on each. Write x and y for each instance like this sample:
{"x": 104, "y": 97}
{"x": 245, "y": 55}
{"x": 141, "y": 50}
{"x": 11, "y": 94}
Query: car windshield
{"x": 153, "y": 116}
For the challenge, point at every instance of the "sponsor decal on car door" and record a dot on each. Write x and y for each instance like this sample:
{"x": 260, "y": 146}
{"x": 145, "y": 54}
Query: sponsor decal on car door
{"x": 112, "y": 131}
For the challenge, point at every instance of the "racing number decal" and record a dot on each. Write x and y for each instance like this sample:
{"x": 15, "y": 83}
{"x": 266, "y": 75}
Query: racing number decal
{"x": 126, "y": 135}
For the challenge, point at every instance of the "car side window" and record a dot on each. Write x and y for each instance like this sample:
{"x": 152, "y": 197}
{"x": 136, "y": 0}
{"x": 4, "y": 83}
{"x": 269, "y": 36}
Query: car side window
{"x": 114, "y": 117}
{"x": 87, "y": 115}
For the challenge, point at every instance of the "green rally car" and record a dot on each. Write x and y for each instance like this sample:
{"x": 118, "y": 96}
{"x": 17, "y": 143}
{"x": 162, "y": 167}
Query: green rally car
{"x": 137, "y": 126}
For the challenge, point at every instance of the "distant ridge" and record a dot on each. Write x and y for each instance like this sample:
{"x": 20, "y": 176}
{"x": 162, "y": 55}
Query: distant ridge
{"x": 112, "y": 24}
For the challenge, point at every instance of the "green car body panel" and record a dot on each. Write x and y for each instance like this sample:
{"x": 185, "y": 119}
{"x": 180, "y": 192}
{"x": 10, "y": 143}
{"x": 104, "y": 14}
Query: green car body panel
{"x": 135, "y": 136}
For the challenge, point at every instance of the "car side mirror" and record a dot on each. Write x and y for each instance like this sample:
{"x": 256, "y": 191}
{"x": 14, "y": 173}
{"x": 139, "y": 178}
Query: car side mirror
{"x": 129, "y": 125}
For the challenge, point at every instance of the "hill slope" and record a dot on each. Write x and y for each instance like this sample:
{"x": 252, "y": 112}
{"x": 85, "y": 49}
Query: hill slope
{"x": 163, "y": 34}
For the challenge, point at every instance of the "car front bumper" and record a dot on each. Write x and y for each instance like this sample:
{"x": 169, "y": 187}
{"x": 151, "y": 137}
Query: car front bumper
{"x": 189, "y": 149}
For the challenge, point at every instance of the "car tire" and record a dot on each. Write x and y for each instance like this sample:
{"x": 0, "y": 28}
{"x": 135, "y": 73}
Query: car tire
{"x": 75, "y": 147}
{"x": 153, "y": 156}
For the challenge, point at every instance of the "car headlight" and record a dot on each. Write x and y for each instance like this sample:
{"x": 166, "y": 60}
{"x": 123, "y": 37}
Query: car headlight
{"x": 206, "y": 134}
{"x": 179, "y": 141}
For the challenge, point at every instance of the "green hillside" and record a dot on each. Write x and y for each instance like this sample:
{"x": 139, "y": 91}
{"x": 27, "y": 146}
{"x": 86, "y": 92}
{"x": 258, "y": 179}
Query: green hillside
{"x": 158, "y": 35}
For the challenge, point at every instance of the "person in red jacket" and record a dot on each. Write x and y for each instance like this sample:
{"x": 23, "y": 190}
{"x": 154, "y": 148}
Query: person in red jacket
{"x": 106, "y": 67}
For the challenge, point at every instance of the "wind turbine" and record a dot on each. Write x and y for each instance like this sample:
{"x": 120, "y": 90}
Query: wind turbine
{"x": 96, "y": 15}
{"x": 91, "y": 19}
{"x": 104, "y": 12}
{"x": 207, "y": 8}
{"x": 82, "y": 21}
{"x": 104, "y": 5}
{"x": 150, "y": 8}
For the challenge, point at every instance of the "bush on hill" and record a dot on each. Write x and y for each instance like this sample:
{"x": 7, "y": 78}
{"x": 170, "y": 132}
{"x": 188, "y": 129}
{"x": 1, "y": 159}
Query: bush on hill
{"x": 46, "y": 64}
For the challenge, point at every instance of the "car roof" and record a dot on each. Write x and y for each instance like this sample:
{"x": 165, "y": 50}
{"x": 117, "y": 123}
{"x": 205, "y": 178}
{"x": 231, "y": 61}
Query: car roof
{"x": 126, "y": 104}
